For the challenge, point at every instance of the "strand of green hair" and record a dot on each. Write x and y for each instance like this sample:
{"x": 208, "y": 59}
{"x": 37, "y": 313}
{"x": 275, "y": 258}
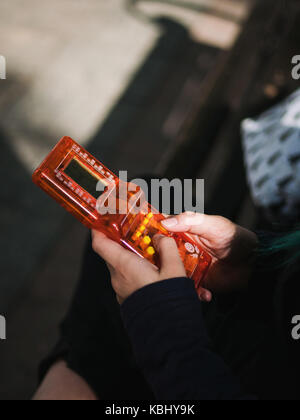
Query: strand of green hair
{"x": 285, "y": 248}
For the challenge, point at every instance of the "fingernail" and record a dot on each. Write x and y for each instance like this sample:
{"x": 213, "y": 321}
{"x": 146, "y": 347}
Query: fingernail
{"x": 168, "y": 223}
{"x": 208, "y": 296}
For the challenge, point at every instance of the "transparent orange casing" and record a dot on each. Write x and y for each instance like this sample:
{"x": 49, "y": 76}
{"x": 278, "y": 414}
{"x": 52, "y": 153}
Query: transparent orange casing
{"x": 133, "y": 230}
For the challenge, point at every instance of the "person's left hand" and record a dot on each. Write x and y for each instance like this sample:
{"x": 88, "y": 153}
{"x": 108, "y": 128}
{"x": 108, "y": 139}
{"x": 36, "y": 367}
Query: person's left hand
{"x": 130, "y": 272}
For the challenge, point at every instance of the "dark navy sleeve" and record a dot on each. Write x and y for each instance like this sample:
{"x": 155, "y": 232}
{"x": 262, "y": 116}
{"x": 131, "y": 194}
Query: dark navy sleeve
{"x": 165, "y": 324}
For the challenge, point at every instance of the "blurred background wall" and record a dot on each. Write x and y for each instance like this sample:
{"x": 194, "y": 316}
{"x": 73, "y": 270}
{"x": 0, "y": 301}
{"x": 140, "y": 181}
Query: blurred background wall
{"x": 152, "y": 87}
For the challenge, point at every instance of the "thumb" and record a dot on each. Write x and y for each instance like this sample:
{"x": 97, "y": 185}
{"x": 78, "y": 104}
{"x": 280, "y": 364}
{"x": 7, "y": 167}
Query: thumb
{"x": 171, "y": 263}
{"x": 170, "y": 260}
{"x": 208, "y": 227}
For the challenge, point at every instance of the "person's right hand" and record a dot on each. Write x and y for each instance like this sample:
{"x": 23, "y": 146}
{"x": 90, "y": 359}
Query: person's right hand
{"x": 231, "y": 246}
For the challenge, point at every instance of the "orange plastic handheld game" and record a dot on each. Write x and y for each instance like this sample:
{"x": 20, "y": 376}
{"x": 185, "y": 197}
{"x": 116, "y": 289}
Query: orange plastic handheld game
{"x": 74, "y": 178}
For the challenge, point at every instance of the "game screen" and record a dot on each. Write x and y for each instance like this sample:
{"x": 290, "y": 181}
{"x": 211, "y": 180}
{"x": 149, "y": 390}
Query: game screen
{"x": 84, "y": 178}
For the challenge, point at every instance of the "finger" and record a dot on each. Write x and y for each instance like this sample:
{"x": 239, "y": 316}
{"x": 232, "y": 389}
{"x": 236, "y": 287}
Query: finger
{"x": 171, "y": 262}
{"x": 111, "y": 269}
{"x": 119, "y": 300}
{"x": 198, "y": 224}
{"x": 120, "y": 260}
{"x": 109, "y": 250}
{"x": 205, "y": 295}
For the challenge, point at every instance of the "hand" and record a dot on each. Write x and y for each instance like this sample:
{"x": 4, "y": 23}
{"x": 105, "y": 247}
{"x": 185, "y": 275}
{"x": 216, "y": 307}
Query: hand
{"x": 231, "y": 246}
{"x": 130, "y": 272}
